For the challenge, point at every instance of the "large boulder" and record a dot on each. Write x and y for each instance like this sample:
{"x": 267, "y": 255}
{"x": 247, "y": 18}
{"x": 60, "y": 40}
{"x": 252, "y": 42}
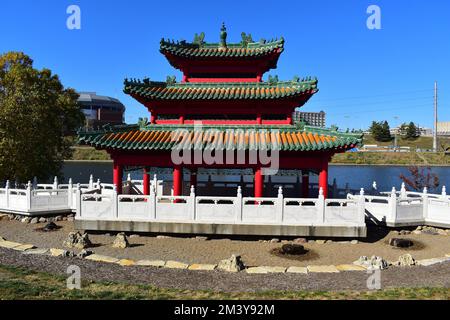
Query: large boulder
{"x": 372, "y": 263}
{"x": 77, "y": 240}
{"x": 293, "y": 249}
{"x": 400, "y": 243}
{"x": 121, "y": 241}
{"x": 233, "y": 264}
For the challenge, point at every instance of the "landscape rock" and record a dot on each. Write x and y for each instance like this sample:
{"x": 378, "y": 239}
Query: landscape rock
{"x": 134, "y": 236}
{"x": 70, "y": 219}
{"x": 323, "y": 269}
{"x": 68, "y": 254}
{"x": 56, "y": 252}
{"x": 275, "y": 240}
{"x": 404, "y": 232}
{"x": 372, "y": 263}
{"x": 2, "y": 239}
{"x": 151, "y": 263}
{"x": 233, "y": 264}
{"x": 51, "y": 226}
{"x": 430, "y": 262}
{"x": 202, "y": 267}
{"x": 121, "y": 241}
{"x": 176, "y": 265}
{"x": 4, "y": 217}
{"x": 34, "y": 221}
{"x": 417, "y": 232}
{"x": 126, "y": 262}
{"x": 265, "y": 270}
{"x": 430, "y": 230}
{"x": 320, "y": 241}
{"x": 42, "y": 220}
{"x": 354, "y": 242}
{"x": 300, "y": 240}
{"x": 406, "y": 260}
{"x": 39, "y": 251}
{"x": 201, "y": 238}
{"x": 302, "y": 270}
{"x": 400, "y": 243}
{"x": 24, "y": 247}
{"x": 101, "y": 258}
{"x": 293, "y": 249}
{"x": 163, "y": 237}
{"x": 350, "y": 267}
{"x": 77, "y": 240}
{"x": 11, "y": 217}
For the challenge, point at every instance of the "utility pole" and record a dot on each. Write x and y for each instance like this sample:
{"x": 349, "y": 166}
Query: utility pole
{"x": 435, "y": 147}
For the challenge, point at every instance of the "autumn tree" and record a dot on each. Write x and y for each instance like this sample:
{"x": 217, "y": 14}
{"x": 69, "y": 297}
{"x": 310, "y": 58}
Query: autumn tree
{"x": 36, "y": 112}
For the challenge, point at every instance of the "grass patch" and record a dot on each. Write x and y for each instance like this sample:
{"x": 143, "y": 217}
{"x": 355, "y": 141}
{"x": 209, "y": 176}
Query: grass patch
{"x": 89, "y": 153}
{"x": 21, "y": 284}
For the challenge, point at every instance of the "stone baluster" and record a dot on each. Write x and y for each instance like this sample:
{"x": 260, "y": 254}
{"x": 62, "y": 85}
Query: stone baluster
{"x": 91, "y": 182}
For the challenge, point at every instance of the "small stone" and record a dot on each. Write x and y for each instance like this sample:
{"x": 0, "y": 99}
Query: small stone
{"x": 323, "y": 269}
{"x": 42, "y": 220}
{"x": 302, "y": 270}
{"x": 121, "y": 241}
{"x": 275, "y": 240}
{"x": 68, "y": 254}
{"x": 64, "y": 218}
{"x": 9, "y": 244}
{"x": 233, "y": 264}
{"x": 2, "y": 239}
{"x": 51, "y": 226}
{"x": 329, "y": 241}
{"x": 354, "y": 242}
{"x": 134, "y": 236}
{"x": 25, "y": 220}
{"x": 84, "y": 253}
{"x": 151, "y": 263}
{"x": 3, "y": 217}
{"x": 203, "y": 267}
{"x": 320, "y": 241}
{"x": 71, "y": 215}
{"x": 442, "y": 232}
{"x": 417, "y": 232}
{"x": 176, "y": 265}
{"x": 34, "y": 221}
{"x": 126, "y": 262}
{"x": 406, "y": 260}
{"x": 311, "y": 241}
{"x": 59, "y": 218}
{"x": 300, "y": 240}
{"x": 163, "y": 237}
{"x": 201, "y": 238}
{"x": 70, "y": 219}
{"x": 11, "y": 217}
{"x": 419, "y": 228}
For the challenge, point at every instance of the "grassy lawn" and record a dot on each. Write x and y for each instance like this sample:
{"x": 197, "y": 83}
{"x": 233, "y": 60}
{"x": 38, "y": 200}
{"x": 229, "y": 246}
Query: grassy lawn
{"x": 16, "y": 283}
{"x": 89, "y": 153}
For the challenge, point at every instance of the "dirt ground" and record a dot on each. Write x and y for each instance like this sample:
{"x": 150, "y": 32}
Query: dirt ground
{"x": 254, "y": 252}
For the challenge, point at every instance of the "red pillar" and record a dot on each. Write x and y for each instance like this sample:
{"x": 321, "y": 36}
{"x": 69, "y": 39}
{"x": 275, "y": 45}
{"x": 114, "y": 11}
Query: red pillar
{"x": 258, "y": 118}
{"x": 181, "y": 119}
{"x": 153, "y": 118}
{"x": 146, "y": 182}
{"x": 305, "y": 185}
{"x": 323, "y": 178}
{"x": 117, "y": 176}
{"x": 259, "y": 183}
{"x": 177, "y": 181}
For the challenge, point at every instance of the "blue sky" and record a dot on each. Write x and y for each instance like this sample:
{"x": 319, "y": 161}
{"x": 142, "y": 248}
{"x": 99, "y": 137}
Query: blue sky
{"x": 364, "y": 74}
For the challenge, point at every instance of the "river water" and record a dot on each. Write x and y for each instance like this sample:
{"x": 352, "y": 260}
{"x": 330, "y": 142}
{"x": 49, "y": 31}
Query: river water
{"x": 358, "y": 176}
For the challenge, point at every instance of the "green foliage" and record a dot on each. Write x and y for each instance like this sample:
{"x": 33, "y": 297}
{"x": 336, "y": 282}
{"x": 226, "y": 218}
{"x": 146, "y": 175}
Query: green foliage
{"x": 380, "y": 131}
{"x": 412, "y": 131}
{"x": 36, "y": 114}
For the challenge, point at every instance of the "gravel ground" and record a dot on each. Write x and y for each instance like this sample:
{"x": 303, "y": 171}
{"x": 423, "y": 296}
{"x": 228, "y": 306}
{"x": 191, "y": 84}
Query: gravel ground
{"x": 253, "y": 252}
{"x": 433, "y": 276}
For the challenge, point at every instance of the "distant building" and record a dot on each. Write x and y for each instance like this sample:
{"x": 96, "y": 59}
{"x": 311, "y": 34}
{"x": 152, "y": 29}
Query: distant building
{"x": 101, "y": 110}
{"x": 422, "y": 131}
{"x": 443, "y": 128}
{"x": 316, "y": 119}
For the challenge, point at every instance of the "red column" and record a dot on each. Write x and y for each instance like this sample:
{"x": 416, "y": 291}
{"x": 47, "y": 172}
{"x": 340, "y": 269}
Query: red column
{"x": 305, "y": 185}
{"x": 153, "y": 118}
{"x": 323, "y": 179}
{"x": 289, "y": 119}
{"x": 259, "y": 183}
{"x": 117, "y": 176}
{"x": 146, "y": 182}
{"x": 182, "y": 119}
{"x": 259, "y": 118}
{"x": 177, "y": 181}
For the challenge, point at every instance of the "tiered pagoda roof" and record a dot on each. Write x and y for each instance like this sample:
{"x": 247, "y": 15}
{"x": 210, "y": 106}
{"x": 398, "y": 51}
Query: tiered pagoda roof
{"x": 152, "y": 90}
{"x": 225, "y": 137}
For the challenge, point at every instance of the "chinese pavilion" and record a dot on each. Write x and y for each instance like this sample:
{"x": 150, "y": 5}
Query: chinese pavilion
{"x": 223, "y": 88}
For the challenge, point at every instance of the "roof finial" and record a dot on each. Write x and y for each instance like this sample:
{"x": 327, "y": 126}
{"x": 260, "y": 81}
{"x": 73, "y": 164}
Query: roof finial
{"x": 223, "y": 36}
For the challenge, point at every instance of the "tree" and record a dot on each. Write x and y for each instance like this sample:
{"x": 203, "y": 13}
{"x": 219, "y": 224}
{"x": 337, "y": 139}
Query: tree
{"x": 35, "y": 113}
{"x": 380, "y": 131}
{"x": 419, "y": 178}
{"x": 411, "y": 131}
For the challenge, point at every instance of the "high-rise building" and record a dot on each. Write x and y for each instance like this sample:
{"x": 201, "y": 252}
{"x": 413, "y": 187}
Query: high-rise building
{"x": 316, "y": 119}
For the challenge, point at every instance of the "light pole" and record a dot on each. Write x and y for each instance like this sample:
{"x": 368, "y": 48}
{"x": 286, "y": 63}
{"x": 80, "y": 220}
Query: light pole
{"x": 395, "y": 133}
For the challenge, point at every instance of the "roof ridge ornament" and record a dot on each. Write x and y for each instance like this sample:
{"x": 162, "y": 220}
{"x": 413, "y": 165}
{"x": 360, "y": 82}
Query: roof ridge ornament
{"x": 223, "y": 36}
